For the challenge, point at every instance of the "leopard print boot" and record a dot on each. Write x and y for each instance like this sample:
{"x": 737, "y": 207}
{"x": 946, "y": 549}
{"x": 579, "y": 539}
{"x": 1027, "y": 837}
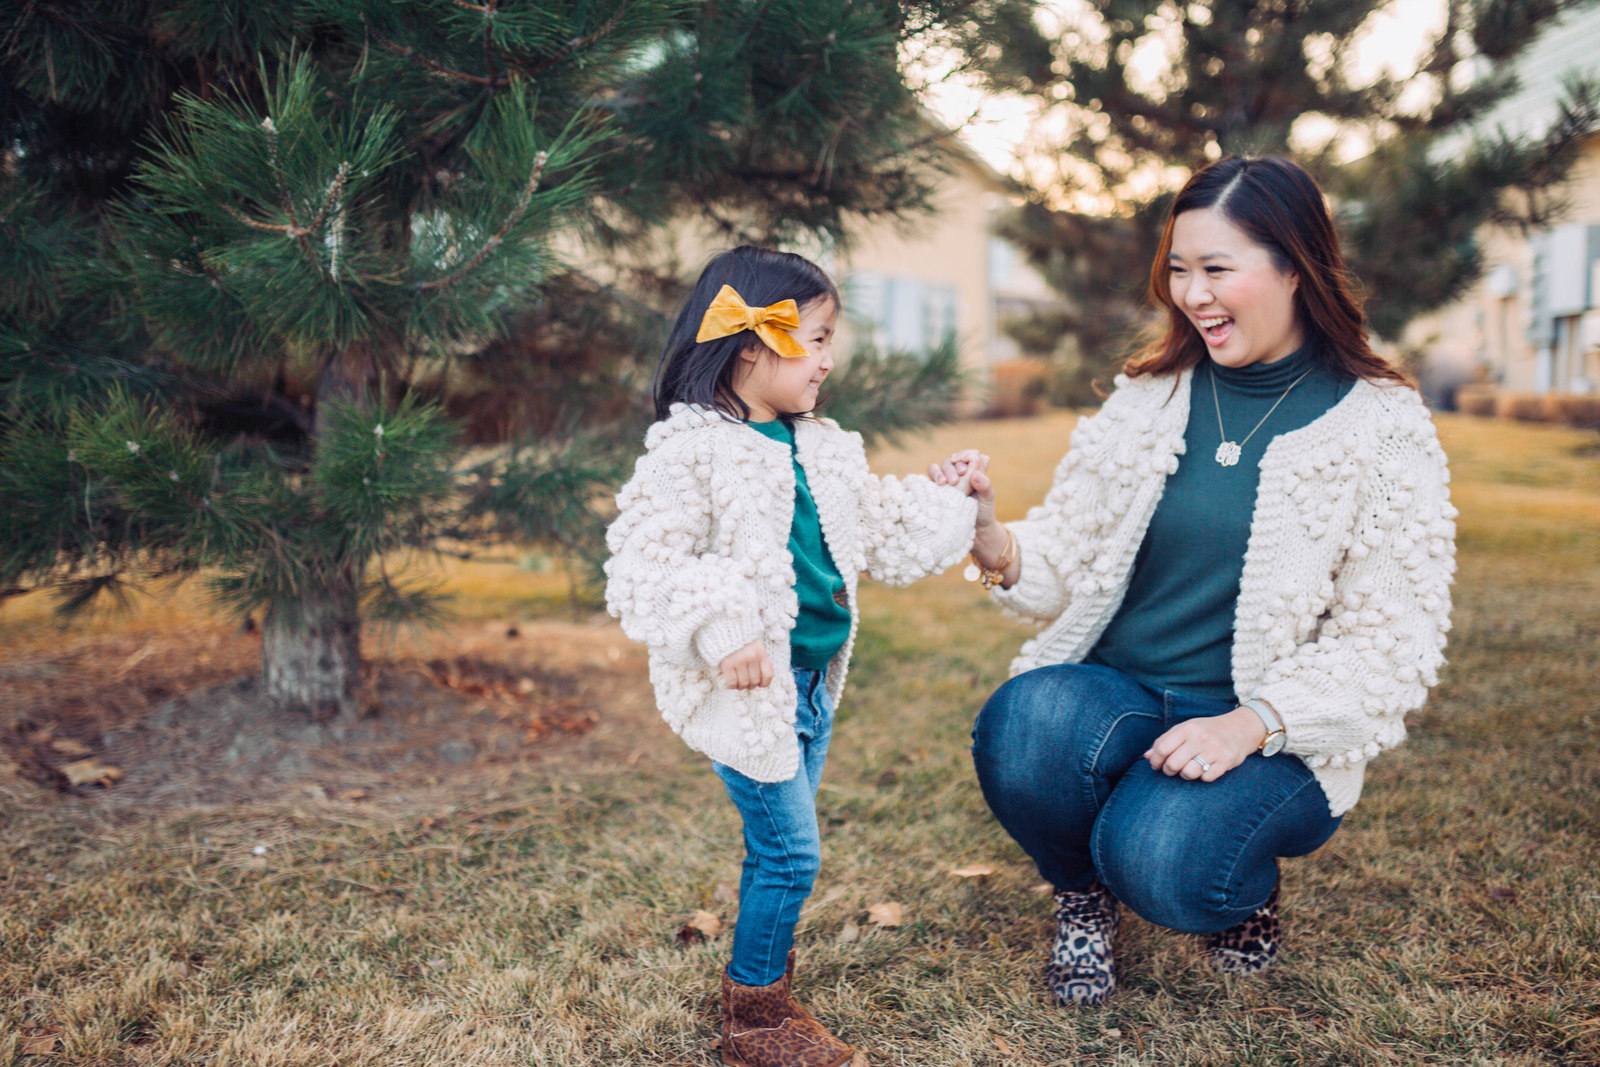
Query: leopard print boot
{"x": 1249, "y": 946}
{"x": 1080, "y": 970}
{"x": 762, "y": 1026}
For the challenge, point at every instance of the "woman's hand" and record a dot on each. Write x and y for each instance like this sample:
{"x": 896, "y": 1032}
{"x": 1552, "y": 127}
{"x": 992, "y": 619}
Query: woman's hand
{"x": 1206, "y": 749}
{"x": 991, "y": 541}
{"x": 968, "y": 470}
{"x": 959, "y": 469}
{"x": 748, "y": 668}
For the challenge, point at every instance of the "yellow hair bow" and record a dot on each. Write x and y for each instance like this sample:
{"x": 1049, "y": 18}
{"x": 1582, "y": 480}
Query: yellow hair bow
{"x": 729, "y": 314}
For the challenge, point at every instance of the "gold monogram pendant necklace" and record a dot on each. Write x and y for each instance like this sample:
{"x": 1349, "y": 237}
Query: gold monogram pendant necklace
{"x": 1228, "y": 452}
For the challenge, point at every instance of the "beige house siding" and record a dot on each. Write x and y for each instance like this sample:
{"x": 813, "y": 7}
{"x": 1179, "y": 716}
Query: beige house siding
{"x": 1532, "y": 323}
{"x": 905, "y": 285}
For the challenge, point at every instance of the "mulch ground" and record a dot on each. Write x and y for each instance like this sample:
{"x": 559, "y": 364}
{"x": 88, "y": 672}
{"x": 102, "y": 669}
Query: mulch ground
{"x": 179, "y": 719}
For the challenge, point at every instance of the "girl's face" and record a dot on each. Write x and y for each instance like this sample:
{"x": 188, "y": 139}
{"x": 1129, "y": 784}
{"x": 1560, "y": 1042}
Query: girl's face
{"x": 774, "y": 386}
{"x": 1229, "y": 287}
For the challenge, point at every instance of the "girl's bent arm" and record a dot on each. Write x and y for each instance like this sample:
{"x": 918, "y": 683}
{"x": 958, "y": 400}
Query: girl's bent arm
{"x": 666, "y": 581}
{"x": 911, "y": 528}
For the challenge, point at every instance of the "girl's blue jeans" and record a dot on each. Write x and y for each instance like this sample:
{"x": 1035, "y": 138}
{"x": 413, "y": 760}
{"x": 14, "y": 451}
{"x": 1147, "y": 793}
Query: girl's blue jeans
{"x": 782, "y": 845}
{"x": 1059, "y": 754}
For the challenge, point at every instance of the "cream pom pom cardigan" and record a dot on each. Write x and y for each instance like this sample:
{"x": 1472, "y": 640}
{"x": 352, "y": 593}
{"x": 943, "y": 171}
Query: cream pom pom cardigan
{"x": 1345, "y": 598}
{"x": 700, "y": 566}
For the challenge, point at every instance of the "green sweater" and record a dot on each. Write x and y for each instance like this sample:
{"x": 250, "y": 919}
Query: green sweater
{"x": 1174, "y": 629}
{"x": 823, "y": 625}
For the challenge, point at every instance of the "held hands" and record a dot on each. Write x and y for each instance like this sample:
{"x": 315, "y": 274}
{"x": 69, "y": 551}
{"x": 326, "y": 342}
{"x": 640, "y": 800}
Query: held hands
{"x": 748, "y": 668}
{"x": 967, "y": 470}
{"x": 992, "y": 545}
{"x": 1206, "y": 749}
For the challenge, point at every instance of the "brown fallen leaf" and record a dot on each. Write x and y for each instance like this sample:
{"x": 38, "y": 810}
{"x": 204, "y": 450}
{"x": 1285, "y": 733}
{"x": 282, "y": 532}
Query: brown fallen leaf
{"x": 707, "y": 923}
{"x": 351, "y": 794}
{"x": 1005, "y": 1049}
{"x": 725, "y": 893}
{"x": 688, "y": 935}
{"x": 41, "y": 1044}
{"x": 888, "y": 914}
{"x": 977, "y": 870}
{"x": 70, "y": 748}
{"x": 849, "y": 934}
{"x": 90, "y": 772}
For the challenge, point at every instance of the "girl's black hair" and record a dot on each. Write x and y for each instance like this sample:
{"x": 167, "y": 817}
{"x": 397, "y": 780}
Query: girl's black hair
{"x": 701, "y": 372}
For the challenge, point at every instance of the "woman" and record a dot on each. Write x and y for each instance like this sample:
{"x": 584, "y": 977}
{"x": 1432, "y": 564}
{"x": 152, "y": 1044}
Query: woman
{"x": 1242, "y": 571}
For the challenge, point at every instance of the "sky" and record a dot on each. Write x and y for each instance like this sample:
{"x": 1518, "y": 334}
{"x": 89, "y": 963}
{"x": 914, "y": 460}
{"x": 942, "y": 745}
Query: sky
{"x": 997, "y": 126}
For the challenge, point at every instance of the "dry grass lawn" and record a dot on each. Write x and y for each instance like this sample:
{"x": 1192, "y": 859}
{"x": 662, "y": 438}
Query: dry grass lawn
{"x": 1454, "y": 919}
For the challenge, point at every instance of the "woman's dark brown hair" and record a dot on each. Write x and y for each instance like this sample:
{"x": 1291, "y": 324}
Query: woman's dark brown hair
{"x": 1279, "y": 207}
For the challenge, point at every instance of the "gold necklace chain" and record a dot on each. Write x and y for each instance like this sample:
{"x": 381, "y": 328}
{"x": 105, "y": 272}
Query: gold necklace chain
{"x": 1228, "y": 452}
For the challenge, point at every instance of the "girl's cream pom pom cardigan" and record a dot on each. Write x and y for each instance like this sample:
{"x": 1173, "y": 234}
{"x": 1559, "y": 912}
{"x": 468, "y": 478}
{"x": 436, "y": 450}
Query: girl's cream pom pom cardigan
{"x": 1345, "y": 598}
{"x": 700, "y": 566}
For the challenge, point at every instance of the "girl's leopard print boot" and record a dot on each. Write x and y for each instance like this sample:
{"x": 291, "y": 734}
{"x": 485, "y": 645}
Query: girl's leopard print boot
{"x": 1249, "y": 946}
{"x": 1080, "y": 970}
{"x": 763, "y": 1026}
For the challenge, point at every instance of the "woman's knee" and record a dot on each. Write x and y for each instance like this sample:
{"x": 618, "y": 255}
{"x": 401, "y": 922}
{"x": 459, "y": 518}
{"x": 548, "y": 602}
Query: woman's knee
{"x": 1167, "y": 889}
{"x": 1029, "y": 713}
{"x": 1184, "y": 881}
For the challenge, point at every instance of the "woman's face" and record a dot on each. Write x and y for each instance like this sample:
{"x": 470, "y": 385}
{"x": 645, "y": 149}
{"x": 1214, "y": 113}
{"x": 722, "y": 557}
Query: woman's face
{"x": 1231, "y": 290}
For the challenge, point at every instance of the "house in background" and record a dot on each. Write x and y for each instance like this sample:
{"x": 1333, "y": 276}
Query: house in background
{"x": 944, "y": 275}
{"x": 1532, "y": 323}
{"x": 907, "y": 284}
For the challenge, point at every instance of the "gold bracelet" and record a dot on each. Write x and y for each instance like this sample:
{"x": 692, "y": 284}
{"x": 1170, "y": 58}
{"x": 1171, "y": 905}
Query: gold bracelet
{"x": 992, "y": 576}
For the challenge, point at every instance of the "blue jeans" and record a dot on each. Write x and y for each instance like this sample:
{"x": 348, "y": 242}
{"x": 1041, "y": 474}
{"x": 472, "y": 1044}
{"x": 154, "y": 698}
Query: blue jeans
{"x": 1059, "y": 751}
{"x": 782, "y": 845}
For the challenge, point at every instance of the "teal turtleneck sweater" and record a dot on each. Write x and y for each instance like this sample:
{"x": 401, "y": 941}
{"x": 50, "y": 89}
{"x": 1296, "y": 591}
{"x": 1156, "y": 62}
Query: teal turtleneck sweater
{"x": 1174, "y": 629}
{"x": 823, "y": 625}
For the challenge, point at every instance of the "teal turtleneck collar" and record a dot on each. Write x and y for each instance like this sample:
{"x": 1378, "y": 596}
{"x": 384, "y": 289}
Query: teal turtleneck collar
{"x": 1264, "y": 379}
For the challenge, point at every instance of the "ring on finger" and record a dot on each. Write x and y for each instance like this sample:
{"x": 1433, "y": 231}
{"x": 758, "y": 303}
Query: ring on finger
{"x": 1204, "y": 766}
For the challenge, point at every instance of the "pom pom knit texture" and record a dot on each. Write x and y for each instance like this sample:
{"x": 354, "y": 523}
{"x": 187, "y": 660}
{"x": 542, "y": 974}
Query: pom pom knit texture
{"x": 1345, "y": 598}
{"x": 700, "y": 566}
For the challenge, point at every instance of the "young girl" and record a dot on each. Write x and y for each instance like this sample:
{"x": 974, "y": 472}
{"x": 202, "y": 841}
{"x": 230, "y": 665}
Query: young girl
{"x": 735, "y": 559}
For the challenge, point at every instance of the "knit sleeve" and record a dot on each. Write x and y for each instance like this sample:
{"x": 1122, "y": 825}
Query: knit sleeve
{"x": 1061, "y": 542}
{"x": 911, "y": 528}
{"x": 1344, "y": 690}
{"x": 671, "y": 577}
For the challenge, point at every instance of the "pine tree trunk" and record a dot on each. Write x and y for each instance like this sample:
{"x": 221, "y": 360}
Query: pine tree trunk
{"x": 311, "y": 650}
{"x": 311, "y": 654}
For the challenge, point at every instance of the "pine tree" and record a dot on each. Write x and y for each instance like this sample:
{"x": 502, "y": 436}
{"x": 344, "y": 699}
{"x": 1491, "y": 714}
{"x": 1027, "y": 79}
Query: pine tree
{"x": 268, "y": 267}
{"x": 1145, "y": 91}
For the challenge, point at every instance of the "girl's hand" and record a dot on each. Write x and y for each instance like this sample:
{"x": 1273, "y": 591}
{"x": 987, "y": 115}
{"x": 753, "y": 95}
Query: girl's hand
{"x": 751, "y": 668}
{"x": 1221, "y": 742}
{"x": 960, "y": 469}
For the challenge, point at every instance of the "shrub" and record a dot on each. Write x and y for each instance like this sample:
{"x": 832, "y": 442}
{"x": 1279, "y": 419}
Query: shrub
{"x": 1579, "y": 412}
{"x": 1017, "y": 388}
{"x": 1475, "y": 398}
{"x": 1524, "y": 407}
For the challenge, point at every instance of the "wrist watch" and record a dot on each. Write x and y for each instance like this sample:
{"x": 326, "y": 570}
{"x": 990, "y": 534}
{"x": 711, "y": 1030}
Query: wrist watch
{"x": 1272, "y": 744}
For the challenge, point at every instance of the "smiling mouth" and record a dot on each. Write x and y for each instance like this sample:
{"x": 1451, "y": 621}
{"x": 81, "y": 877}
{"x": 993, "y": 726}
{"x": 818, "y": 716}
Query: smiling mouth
{"x": 1216, "y": 329}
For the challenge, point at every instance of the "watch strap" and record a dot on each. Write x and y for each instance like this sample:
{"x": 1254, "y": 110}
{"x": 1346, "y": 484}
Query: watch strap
{"x": 1268, "y": 715}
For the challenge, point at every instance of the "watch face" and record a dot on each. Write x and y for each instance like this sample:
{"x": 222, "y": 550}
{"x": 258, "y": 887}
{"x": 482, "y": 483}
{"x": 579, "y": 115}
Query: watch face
{"x": 1273, "y": 744}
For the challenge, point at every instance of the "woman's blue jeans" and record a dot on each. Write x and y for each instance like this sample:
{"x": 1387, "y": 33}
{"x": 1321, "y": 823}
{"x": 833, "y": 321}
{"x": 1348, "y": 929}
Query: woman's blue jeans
{"x": 1059, "y": 754}
{"x": 782, "y": 845}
